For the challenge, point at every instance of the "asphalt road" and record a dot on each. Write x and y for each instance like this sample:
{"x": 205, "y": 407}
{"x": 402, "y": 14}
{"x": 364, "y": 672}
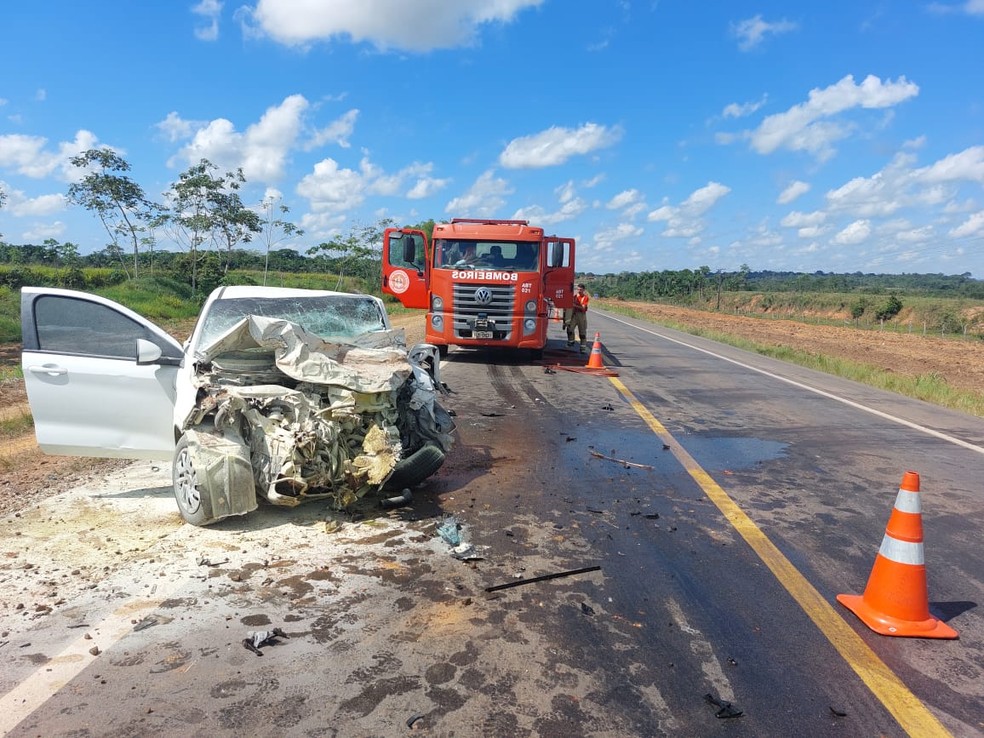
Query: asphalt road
{"x": 713, "y": 503}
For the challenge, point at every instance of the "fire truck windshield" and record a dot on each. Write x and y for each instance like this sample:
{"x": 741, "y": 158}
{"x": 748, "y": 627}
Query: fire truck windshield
{"x": 505, "y": 255}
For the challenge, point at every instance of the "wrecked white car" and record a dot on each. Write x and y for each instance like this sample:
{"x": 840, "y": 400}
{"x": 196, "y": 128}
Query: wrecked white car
{"x": 293, "y": 394}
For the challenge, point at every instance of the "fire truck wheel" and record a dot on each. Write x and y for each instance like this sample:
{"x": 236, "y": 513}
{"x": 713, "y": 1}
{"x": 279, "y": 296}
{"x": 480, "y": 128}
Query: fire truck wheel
{"x": 536, "y": 354}
{"x": 416, "y": 467}
{"x": 442, "y": 349}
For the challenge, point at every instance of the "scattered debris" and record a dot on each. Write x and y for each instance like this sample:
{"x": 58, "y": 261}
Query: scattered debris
{"x": 205, "y": 561}
{"x": 95, "y": 651}
{"x": 450, "y": 531}
{"x": 837, "y": 713}
{"x": 466, "y": 552}
{"x": 414, "y": 718}
{"x": 623, "y": 462}
{"x": 400, "y": 500}
{"x": 548, "y": 370}
{"x": 607, "y": 407}
{"x": 725, "y": 708}
{"x": 257, "y": 639}
{"x": 542, "y": 578}
{"x": 587, "y": 609}
{"x": 333, "y": 526}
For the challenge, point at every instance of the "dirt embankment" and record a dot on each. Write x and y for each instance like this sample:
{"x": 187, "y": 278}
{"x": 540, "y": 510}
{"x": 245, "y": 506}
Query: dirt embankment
{"x": 960, "y": 363}
{"x": 26, "y": 474}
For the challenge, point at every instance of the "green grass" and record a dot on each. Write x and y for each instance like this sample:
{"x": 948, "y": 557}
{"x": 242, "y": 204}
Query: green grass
{"x": 14, "y": 427}
{"x": 930, "y": 387}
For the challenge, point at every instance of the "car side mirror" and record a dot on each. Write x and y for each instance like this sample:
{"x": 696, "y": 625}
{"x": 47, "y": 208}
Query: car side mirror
{"x": 147, "y": 352}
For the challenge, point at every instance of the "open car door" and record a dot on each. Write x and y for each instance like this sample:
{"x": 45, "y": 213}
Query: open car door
{"x": 100, "y": 378}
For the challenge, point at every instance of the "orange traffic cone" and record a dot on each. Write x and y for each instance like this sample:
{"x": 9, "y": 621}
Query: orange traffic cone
{"x": 896, "y": 600}
{"x": 594, "y": 361}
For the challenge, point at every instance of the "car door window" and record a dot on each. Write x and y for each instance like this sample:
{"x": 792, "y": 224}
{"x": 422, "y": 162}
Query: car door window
{"x": 70, "y": 326}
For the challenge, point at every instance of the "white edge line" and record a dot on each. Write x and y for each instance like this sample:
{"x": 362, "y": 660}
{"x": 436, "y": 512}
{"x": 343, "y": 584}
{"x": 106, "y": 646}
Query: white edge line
{"x": 808, "y": 388}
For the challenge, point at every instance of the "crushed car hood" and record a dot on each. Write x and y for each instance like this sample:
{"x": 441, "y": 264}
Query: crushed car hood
{"x": 319, "y": 418}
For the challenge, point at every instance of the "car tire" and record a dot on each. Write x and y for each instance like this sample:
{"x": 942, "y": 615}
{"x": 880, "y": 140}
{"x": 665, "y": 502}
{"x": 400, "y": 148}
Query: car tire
{"x": 415, "y": 468}
{"x": 195, "y": 507}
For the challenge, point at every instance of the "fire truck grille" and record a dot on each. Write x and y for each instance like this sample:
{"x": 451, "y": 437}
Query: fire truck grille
{"x": 474, "y": 303}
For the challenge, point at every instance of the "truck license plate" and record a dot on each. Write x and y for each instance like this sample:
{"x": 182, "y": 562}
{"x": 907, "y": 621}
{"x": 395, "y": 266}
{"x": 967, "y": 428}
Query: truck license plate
{"x": 483, "y": 334}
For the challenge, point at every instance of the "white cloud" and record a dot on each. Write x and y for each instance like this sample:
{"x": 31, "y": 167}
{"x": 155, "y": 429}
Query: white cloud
{"x": 175, "y": 128}
{"x": 483, "y": 199}
{"x": 741, "y": 110}
{"x": 337, "y": 132}
{"x": 973, "y": 226}
{"x": 606, "y": 240}
{"x": 807, "y": 126}
{"x": 556, "y": 145}
{"x": 752, "y": 31}
{"x": 797, "y": 219}
{"x": 20, "y": 205}
{"x": 421, "y": 25}
{"x": 855, "y": 233}
{"x": 261, "y": 150}
{"x": 685, "y": 220}
{"x": 29, "y": 155}
{"x": 793, "y": 191}
{"x": 970, "y": 7}
{"x": 42, "y": 231}
{"x": 333, "y": 189}
{"x": 967, "y": 165}
{"x": 209, "y": 10}
{"x": 624, "y": 199}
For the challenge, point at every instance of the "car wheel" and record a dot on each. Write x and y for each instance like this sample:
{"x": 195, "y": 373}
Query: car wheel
{"x": 416, "y": 467}
{"x": 195, "y": 508}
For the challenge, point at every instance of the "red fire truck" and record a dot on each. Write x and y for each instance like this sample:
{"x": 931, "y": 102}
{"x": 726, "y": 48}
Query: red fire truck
{"x": 484, "y": 283}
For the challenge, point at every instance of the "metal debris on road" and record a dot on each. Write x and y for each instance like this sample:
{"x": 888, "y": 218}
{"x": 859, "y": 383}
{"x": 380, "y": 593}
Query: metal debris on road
{"x": 257, "y": 639}
{"x": 726, "y": 710}
{"x": 400, "y": 500}
{"x": 623, "y": 462}
{"x": 450, "y": 531}
{"x": 542, "y": 578}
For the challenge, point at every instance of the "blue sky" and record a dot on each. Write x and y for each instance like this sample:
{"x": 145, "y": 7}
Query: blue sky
{"x": 835, "y": 136}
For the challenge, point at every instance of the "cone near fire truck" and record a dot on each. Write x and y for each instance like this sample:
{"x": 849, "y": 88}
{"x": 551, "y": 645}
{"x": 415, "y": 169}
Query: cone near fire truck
{"x": 595, "y": 360}
{"x": 896, "y": 600}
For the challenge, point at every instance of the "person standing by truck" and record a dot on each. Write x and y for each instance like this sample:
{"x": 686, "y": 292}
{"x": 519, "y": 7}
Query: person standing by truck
{"x": 579, "y": 318}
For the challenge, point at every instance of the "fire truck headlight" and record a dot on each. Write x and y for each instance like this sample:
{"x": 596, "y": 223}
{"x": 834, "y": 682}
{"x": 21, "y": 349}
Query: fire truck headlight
{"x": 531, "y": 306}
{"x": 438, "y": 322}
{"x": 529, "y": 325}
{"x": 437, "y": 304}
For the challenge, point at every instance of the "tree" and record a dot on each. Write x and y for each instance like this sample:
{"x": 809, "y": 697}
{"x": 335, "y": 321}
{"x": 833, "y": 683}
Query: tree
{"x": 275, "y": 230}
{"x": 358, "y": 254}
{"x": 117, "y": 200}
{"x": 205, "y": 209}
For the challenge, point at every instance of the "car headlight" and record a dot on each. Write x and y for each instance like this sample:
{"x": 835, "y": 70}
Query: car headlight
{"x": 437, "y": 304}
{"x": 531, "y": 306}
{"x": 529, "y": 325}
{"x": 438, "y": 322}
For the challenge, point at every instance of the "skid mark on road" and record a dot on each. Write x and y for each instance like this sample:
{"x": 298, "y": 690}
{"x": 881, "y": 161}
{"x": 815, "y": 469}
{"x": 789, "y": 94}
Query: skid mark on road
{"x": 914, "y": 717}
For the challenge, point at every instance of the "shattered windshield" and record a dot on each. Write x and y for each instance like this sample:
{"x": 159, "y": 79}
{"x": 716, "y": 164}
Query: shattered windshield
{"x": 328, "y": 316}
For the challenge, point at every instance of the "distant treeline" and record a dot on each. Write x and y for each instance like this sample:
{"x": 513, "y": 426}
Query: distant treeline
{"x": 355, "y": 256}
{"x": 702, "y": 283}
{"x": 54, "y": 264}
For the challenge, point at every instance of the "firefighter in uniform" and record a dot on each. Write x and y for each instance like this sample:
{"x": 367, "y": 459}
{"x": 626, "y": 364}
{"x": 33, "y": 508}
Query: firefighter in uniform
{"x": 579, "y": 318}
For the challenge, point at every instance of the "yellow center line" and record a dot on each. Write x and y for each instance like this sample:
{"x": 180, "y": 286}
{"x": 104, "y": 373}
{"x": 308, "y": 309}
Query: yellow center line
{"x": 914, "y": 717}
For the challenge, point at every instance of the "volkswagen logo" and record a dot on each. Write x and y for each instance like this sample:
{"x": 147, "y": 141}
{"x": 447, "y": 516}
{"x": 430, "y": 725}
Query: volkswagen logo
{"x": 483, "y": 296}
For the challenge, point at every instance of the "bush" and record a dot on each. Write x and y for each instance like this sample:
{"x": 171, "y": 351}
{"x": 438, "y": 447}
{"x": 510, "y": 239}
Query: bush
{"x": 890, "y": 309}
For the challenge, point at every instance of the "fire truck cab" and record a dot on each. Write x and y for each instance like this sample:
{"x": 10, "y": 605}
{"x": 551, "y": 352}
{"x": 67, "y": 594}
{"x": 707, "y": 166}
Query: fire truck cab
{"x": 484, "y": 283}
